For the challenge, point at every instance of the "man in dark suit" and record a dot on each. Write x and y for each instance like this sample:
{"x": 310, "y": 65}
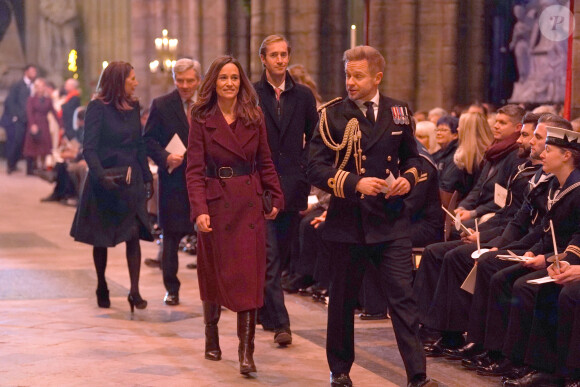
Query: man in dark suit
{"x": 361, "y": 139}
{"x": 71, "y": 103}
{"x": 290, "y": 112}
{"x": 169, "y": 116}
{"x": 14, "y": 118}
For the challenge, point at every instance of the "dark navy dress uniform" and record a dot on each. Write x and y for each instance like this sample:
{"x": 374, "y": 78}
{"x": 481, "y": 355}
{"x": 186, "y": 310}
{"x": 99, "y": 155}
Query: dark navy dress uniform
{"x": 424, "y": 208}
{"x": 519, "y": 235}
{"x": 564, "y": 212}
{"x": 363, "y": 230}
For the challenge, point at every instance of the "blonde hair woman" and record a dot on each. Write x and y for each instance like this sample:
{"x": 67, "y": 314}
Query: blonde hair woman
{"x": 475, "y": 135}
{"x": 299, "y": 73}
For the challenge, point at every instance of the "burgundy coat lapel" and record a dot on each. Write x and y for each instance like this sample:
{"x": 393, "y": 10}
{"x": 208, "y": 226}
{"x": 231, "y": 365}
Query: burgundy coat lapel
{"x": 244, "y": 134}
{"x": 223, "y": 134}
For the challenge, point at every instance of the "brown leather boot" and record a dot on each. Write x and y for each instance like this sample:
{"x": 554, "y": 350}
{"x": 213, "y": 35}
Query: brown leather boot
{"x": 246, "y": 332}
{"x": 211, "y": 316}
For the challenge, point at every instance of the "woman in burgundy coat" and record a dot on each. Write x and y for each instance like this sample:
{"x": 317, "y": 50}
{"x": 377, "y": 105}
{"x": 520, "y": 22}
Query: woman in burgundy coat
{"x": 38, "y": 143}
{"x": 229, "y": 166}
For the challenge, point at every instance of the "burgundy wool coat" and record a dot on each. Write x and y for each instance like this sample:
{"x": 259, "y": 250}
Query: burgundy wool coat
{"x": 231, "y": 260}
{"x": 37, "y": 109}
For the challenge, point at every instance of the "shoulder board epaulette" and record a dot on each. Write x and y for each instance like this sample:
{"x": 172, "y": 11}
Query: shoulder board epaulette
{"x": 329, "y": 103}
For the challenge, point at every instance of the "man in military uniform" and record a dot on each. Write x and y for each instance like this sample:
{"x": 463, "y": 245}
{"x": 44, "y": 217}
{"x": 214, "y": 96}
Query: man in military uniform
{"x": 360, "y": 142}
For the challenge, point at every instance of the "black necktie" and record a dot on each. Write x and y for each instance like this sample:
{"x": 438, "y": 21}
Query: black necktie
{"x": 370, "y": 111}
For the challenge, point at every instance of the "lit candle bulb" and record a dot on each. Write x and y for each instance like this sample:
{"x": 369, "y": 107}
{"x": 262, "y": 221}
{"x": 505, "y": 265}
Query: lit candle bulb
{"x": 158, "y": 43}
{"x": 153, "y": 66}
{"x": 352, "y": 36}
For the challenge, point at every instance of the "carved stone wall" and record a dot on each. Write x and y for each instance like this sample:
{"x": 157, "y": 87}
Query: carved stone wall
{"x": 296, "y": 20}
{"x": 435, "y": 50}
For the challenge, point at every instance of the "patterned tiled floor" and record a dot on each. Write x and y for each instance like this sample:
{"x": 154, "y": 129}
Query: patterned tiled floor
{"x": 53, "y": 334}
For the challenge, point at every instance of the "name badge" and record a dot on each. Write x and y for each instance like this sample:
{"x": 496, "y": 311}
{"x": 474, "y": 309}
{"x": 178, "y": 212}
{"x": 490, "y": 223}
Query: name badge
{"x": 500, "y": 195}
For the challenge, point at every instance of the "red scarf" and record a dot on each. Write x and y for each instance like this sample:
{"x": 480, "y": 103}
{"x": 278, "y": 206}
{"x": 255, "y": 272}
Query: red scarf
{"x": 73, "y": 93}
{"x": 500, "y": 148}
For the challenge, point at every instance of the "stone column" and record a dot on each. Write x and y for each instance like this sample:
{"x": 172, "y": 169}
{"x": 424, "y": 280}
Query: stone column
{"x": 333, "y": 40}
{"x": 213, "y": 30}
{"x": 392, "y": 31}
{"x": 107, "y": 33}
{"x": 436, "y": 62}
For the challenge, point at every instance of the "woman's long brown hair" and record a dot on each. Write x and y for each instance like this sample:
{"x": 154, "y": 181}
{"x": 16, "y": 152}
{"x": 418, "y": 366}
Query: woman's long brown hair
{"x": 111, "y": 86}
{"x": 247, "y": 100}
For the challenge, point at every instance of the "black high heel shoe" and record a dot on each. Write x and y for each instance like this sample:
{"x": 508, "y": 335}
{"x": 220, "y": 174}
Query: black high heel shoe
{"x": 103, "y": 298}
{"x": 135, "y": 301}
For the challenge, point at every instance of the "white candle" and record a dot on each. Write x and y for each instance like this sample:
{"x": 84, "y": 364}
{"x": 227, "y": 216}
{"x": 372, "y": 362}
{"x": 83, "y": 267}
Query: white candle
{"x": 477, "y": 236}
{"x": 556, "y": 260}
{"x": 352, "y": 36}
{"x": 153, "y": 66}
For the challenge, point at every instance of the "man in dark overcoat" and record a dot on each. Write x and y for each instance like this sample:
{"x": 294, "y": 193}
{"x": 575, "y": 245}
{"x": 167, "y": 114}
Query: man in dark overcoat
{"x": 358, "y": 142}
{"x": 169, "y": 117}
{"x": 14, "y": 117}
{"x": 71, "y": 103}
{"x": 290, "y": 113}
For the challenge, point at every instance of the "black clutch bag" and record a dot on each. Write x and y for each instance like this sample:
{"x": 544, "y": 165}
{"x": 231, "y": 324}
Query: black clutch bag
{"x": 120, "y": 175}
{"x": 267, "y": 201}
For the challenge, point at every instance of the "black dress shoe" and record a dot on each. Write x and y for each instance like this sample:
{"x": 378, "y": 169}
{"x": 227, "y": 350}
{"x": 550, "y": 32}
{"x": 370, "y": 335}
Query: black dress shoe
{"x": 283, "y": 337}
{"x": 340, "y": 380}
{"x": 152, "y": 262}
{"x": 497, "y": 368}
{"x": 171, "y": 299}
{"x": 421, "y": 381}
{"x": 435, "y": 349}
{"x": 534, "y": 379}
{"x": 50, "y": 198}
{"x": 480, "y": 360}
{"x": 306, "y": 291}
{"x": 192, "y": 265}
{"x": 373, "y": 316}
{"x": 465, "y": 352}
{"x": 428, "y": 336}
{"x": 517, "y": 372}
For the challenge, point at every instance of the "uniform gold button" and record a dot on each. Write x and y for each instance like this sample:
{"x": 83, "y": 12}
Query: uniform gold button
{"x": 248, "y": 182}
{"x": 227, "y": 205}
{"x": 252, "y": 226}
{"x": 251, "y": 204}
{"x": 228, "y": 227}
{"x": 388, "y": 158}
{"x": 364, "y": 157}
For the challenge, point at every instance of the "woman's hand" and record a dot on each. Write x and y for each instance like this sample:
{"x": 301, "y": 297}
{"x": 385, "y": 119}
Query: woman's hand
{"x": 202, "y": 222}
{"x": 33, "y": 128}
{"x": 272, "y": 215}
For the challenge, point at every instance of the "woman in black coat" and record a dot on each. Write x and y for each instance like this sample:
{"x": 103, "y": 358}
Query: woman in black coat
{"x": 112, "y": 207}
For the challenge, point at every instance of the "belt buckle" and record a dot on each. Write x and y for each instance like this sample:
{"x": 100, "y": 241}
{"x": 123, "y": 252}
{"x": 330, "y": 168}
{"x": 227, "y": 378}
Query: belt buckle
{"x": 229, "y": 175}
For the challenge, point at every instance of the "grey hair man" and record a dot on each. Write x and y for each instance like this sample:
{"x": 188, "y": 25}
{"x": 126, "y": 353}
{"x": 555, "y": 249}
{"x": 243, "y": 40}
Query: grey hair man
{"x": 169, "y": 122}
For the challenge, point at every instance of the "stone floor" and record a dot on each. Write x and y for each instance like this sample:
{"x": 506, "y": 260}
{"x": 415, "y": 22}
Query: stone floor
{"x": 53, "y": 334}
